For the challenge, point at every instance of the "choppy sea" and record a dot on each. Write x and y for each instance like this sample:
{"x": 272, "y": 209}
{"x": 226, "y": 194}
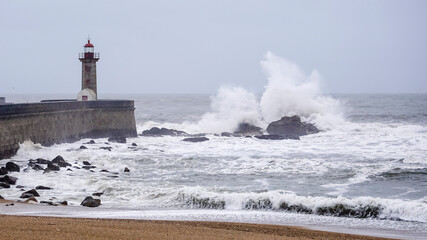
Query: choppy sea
{"x": 366, "y": 169}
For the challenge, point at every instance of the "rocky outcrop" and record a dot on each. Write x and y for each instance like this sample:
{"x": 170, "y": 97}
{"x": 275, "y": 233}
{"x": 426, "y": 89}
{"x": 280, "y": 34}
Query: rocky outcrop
{"x": 248, "y": 129}
{"x": 60, "y": 161}
{"x": 12, "y": 167}
{"x": 30, "y": 193}
{"x": 117, "y": 139}
{"x": 157, "y": 132}
{"x": 91, "y": 202}
{"x": 3, "y": 171}
{"x": 291, "y": 127}
{"x": 270, "y": 137}
{"x": 195, "y": 139}
{"x": 9, "y": 180}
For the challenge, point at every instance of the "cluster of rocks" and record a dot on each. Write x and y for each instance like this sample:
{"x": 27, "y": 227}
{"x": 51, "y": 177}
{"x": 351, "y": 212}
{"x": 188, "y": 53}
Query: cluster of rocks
{"x": 47, "y": 166}
{"x": 285, "y": 128}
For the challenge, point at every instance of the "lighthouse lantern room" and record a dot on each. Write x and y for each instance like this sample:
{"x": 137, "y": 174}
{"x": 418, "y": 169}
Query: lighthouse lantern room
{"x": 88, "y": 59}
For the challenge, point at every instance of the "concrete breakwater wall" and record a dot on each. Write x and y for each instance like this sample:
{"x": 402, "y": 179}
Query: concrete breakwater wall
{"x": 63, "y": 121}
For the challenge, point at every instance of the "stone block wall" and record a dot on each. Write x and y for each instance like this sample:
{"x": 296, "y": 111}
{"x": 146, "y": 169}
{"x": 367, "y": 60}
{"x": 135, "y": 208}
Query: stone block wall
{"x": 63, "y": 121}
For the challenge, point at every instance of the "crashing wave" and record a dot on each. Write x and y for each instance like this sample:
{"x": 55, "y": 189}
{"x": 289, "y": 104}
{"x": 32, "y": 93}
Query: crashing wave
{"x": 361, "y": 207}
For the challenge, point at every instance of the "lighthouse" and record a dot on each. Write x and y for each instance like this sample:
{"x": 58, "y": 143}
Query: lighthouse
{"x": 88, "y": 59}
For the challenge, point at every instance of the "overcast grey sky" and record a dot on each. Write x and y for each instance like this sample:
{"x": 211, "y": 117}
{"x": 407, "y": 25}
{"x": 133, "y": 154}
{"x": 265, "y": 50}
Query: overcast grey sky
{"x": 196, "y": 46}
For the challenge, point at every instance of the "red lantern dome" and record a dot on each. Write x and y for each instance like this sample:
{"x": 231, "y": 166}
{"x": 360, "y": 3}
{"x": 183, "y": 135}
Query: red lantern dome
{"x": 88, "y": 44}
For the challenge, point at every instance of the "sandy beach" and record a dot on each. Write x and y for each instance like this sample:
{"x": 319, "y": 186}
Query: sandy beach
{"x": 25, "y": 227}
{"x": 37, "y": 227}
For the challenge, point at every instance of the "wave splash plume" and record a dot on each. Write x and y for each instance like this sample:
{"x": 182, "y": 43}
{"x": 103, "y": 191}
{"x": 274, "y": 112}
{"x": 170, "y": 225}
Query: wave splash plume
{"x": 288, "y": 92}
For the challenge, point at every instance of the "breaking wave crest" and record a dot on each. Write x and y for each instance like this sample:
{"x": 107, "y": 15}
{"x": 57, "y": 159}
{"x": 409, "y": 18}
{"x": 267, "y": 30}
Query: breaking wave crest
{"x": 361, "y": 207}
{"x": 288, "y": 92}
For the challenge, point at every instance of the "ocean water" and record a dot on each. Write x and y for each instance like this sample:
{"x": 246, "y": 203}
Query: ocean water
{"x": 367, "y": 168}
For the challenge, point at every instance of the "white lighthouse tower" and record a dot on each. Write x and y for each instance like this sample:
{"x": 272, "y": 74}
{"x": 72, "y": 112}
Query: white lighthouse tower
{"x": 88, "y": 59}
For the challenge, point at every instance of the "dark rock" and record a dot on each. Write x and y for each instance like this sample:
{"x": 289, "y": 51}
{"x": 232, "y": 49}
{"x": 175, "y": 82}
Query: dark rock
{"x": 106, "y": 148}
{"x": 91, "y": 202}
{"x": 248, "y": 129}
{"x": 97, "y": 194}
{"x": 90, "y": 142}
{"x": 88, "y": 167}
{"x": 3, "y": 171}
{"x": 20, "y": 187}
{"x": 65, "y": 203}
{"x": 76, "y": 167}
{"x": 30, "y": 193}
{"x": 86, "y": 163}
{"x": 42, "y": 161}
{"x": 226, "y": 134}
{"x": 60, "y": 161}
{"x": 9, "y": 180}
{"x": 47, "y": 202}
{"x": 126, "y": 170}
{"x": 270, "y": 137}
{"x": 134, "y": 144}
{"x": 52, "y": 167}
{"x": 12, "y": 167}
{"x": 156, "y": 132}
{"x": 11, "y": 204}
{"x": 69, "y": 169}
{"x": 4, "y": 185}
{"x": 1, "y": 197}
{"x": 291, "y": 127}
{"x": 195, "y": 139}
{"x": 104, "y": 170}
{"x": 37, "y": 167}
{"x": 83, "y": 147}
{"x": 117, "y": 139}
{"x": 43, "y": 188}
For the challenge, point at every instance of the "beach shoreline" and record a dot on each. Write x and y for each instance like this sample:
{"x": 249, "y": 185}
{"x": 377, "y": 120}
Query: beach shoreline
{"x": 35, "y": 221}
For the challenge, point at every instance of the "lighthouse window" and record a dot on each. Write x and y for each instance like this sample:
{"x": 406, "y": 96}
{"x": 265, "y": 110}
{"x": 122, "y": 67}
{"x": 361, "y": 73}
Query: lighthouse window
{"x": 88, "y": 49}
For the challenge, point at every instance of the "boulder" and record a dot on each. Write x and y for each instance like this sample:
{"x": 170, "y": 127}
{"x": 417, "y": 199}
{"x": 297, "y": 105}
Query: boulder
{"x": 1, "y": 197}
{"x": 86, "y": 163}
{"x": 30, "y": 193}
{"x": 91, "y": 202}
{"x": 60, "y": 161}
{"x": 126, "y": 170}
{"x": 195, "y": 139}
{"x": 117, "y": 139}
{"x": 9, "y": 180}
{"x": 12, "y": 167}
{"x": 106, "y": 148}
{"x": 291, "y": 127}
{"x": 90, "y": 142}
{"x": 226, "y": 134}
{"x": 37, "y": 167}
{"x": 42, "y": 161}
{"x": 97, "y": 194}
{"x": 3, "y": 171}
{"x": 52, "y": 167}
{"x": 248, "y": 129}
{"x": 82, "y": 147}
{"x": 4, "y": 185}
{"x": 155, "y": 132}
{"x": 270, "y": 137}
{"x": 134, "y": 145}
{"x": 87, "y": 167}
{"x": 43, "y": 188}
